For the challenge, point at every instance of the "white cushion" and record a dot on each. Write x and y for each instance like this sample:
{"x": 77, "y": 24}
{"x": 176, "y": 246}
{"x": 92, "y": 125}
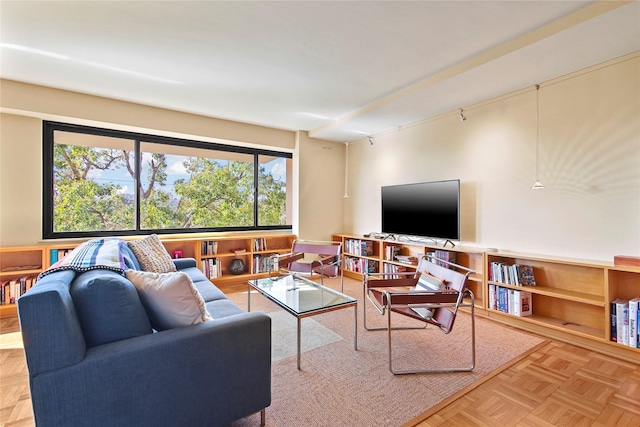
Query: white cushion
{"x": 170, "y": 299}
{"x": 152, "y": 255}
{"x": 429, "y": 282}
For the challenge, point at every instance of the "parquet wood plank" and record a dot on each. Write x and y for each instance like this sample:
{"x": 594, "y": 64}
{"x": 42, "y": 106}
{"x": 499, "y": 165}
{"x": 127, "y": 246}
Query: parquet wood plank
{"x": 558, "y": 384}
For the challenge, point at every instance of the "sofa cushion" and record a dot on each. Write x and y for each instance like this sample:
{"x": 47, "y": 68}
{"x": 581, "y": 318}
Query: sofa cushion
{"x": 108, "y": 307}
{"x": 209, "y": 291}
{"x": 152, "y": 255}
{"x": 171, "y": 299}
{"x": 223, "y": 308}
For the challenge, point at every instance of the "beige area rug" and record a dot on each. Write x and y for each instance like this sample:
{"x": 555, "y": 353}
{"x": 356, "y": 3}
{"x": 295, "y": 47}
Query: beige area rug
{"x": 284, "y": 331}
{"x": 339, "y": 386}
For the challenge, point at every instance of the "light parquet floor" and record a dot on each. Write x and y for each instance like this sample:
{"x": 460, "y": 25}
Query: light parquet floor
{"x": 557, "y": 385}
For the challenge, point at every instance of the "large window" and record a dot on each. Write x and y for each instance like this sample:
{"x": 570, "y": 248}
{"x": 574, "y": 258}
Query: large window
{"x": 106, "y": 182}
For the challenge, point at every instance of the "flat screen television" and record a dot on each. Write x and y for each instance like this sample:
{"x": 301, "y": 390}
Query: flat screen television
{"x": 426, "y": 209}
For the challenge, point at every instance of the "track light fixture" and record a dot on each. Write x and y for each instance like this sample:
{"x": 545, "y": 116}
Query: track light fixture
{"x": 462, "y": 116}
{"x": 537, "y": 185}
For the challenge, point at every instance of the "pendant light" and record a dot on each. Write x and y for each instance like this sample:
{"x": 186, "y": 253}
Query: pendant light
{"x": 537, "y": 185}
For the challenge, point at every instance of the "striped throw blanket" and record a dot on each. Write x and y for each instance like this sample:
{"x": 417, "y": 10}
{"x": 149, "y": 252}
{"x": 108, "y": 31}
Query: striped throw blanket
{"x": 92, "y": 255}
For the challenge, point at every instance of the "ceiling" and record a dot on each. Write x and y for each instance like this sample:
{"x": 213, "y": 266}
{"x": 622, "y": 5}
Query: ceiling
{"x": 338, "y": 69}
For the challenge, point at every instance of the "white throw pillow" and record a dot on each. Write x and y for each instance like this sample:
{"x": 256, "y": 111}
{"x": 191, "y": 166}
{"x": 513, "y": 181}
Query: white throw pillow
{"x": 152, "y": 255}
{"x": 170, "y": 299}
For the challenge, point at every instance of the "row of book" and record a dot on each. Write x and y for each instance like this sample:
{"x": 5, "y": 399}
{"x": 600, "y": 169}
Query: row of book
{"x": 265, "y": 263}
{"x": 391, "y": 251}
{"x": 511, "y": 301}
{"x": 442, "y": 255}
{"x": 391, "y": 270}
{"x": 516, "y": 274}
{"x": 11, "y": 290}
{"x": 209, "y": 247}
{"x": 211, "y": 268}
{"x": 260, "y": 244}
{"x": 360, "y": 265}
{"x": 56, "y": 255}
{"x": 358, "y": 247}
{"x": 625, "y": 315}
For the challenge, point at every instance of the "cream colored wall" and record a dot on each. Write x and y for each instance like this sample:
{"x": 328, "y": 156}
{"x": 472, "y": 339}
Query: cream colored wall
{"x": 20, "y": 180}
{"x": 589, "y": 163}
{"x": 321, "y": 172}
{"x": 24, "y": 107}
{"x": 65, "y": 106}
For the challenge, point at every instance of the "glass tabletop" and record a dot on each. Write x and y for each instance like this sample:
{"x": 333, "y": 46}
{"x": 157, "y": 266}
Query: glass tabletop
{"x": 300, "y": 295}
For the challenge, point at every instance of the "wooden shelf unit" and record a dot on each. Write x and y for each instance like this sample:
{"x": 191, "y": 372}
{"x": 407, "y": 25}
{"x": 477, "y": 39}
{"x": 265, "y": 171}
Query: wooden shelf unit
{"x": 250, "y": 248}
{"x": 473, "y": 258}
{"x": 18, "y": 262}
{"x": 13, "y": 260}
{"x": 571, "y": 299}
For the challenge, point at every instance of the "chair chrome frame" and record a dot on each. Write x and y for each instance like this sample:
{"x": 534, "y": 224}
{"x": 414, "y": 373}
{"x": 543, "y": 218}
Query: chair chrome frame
{"x": 445, "y": 304}
{"x": 329, "y": 259}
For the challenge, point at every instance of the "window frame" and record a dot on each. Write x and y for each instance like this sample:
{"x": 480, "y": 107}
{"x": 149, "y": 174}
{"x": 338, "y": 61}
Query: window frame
{"x": 48, "y": 129}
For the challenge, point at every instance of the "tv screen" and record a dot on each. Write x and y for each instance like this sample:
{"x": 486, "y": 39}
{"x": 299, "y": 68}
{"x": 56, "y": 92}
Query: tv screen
{"x": 427, "y": 209}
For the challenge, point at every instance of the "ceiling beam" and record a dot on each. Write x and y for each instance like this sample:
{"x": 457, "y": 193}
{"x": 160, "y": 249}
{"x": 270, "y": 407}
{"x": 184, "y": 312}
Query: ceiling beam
{"x": 598, "y": 8}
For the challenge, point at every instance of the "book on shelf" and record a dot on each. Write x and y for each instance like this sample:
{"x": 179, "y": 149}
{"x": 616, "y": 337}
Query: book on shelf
{"x": 259, "y": 244}
{"x": 492, "y": 297}
{"x": 522, "y": 303}
{"x": 209, "y": 247}
{"x": 407, "y": 259}
{"x": 211, "y": 268}
{"x": 11, "y": 290}
{"x": 56, "y": 255}
{"x": 622, "y": 321}
{"x": 634, "y": 311}
{"x": 361, "y": 265}
{"x": 391, "y": 251}
{"x": 265, "y": 263}
{"x": 511, "y": 301}
{"x": 516, "y": 274}
{"x": 359, "y": 247}
{"x": 613, "y": 320}
{"x": 439, "y": 254}
{"x": 391, "y": 270}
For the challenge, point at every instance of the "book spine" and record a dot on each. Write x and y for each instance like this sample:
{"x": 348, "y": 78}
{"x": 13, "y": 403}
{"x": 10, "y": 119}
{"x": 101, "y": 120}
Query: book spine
{"x": 633, "y": 323}
{"x": 614, "y": 320}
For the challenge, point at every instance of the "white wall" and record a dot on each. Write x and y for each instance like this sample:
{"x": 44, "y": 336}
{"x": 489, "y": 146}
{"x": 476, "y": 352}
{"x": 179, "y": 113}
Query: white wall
{"x": 589, "y": 163}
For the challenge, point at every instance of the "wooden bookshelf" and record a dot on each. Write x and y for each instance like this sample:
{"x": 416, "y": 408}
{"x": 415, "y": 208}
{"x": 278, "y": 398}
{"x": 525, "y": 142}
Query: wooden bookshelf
{"x": 571, "y": 299}
{"x": 570, "y": 302}
{"x": 16, "y": 263}
{"x": 29, "y": 261}
{"x": 251, "y": 249}
{"x": 381, "y": 260}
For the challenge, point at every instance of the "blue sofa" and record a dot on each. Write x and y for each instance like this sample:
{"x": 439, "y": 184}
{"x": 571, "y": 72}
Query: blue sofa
{"x": 94, "y": 359}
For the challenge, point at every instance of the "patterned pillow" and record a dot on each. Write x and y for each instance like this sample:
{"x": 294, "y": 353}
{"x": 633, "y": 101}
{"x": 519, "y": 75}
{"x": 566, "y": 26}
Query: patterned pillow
{"x": 152, "y": 255}
{"x": 171, "y": 299}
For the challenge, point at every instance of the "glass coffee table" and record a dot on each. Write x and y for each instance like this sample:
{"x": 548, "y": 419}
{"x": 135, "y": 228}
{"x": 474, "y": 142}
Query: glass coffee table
{"x": 303, "y": 298}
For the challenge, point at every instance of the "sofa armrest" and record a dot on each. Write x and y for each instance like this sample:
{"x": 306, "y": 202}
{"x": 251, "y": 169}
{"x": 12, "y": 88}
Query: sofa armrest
{"x": 206, "y": 374}
{"x": 182, "y": 263}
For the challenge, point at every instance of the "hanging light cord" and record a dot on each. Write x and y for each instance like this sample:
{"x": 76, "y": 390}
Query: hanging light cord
{"x": 537, "y": 185}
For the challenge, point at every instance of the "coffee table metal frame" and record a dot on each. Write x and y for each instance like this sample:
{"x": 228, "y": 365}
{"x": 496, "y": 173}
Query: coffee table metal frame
{"x": 270, "y": 287}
